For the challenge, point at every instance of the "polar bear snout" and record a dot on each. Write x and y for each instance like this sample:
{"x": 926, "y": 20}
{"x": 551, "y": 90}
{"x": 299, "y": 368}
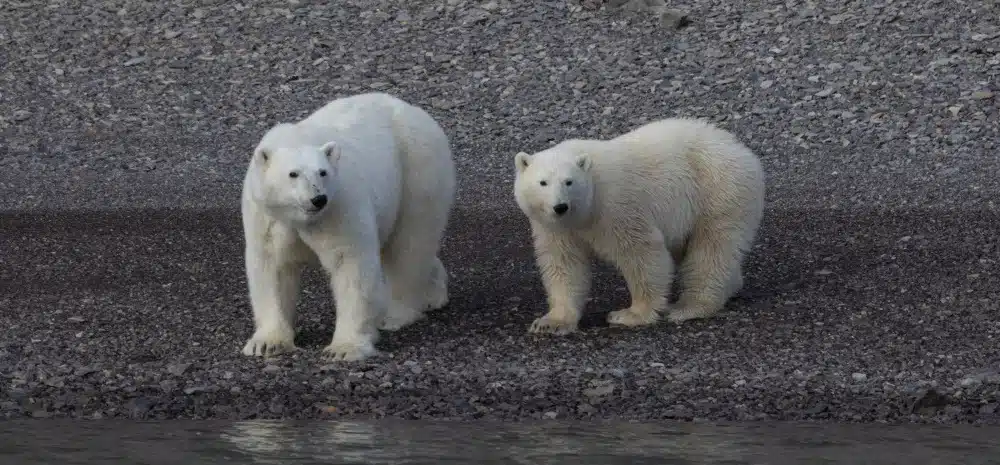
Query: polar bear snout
{"x": 560, "y": 208}
{"x": 318, "y": 201}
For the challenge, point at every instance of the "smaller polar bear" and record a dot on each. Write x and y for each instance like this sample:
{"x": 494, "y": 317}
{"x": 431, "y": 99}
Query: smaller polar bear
{"x": 674, "y": 190}
{"x": 364, "y": 187}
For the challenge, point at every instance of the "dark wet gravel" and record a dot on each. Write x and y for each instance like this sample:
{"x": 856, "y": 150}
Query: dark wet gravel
{"x": 871, "y": 296}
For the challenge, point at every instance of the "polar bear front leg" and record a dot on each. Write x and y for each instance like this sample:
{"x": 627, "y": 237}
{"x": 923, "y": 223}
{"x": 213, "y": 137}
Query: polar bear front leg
{"x": 565, "y": 270}
{"x": 648, "y": 270}
{"x": 273, "y": 279}
{"x": 360, "y": 293}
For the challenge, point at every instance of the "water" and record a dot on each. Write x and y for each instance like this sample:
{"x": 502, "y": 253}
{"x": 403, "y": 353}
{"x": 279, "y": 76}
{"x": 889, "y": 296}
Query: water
{"x": 411, "y": 442}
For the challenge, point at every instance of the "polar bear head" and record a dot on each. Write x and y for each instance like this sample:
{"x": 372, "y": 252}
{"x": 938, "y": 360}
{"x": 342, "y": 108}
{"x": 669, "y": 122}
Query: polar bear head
{"x": 296, "y": 182}
{"x": 555, "y": 186}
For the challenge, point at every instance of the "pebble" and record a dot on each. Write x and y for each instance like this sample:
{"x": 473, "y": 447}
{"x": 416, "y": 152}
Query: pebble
{"x": 178, "y": 369}
{"x": 982, "y": 95}
{"x": 135, "y": 61}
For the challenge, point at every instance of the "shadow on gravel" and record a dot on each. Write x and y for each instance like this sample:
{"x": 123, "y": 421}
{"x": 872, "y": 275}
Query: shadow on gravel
{"x": 489, "y": 253}
{"x": 846, "y": 255}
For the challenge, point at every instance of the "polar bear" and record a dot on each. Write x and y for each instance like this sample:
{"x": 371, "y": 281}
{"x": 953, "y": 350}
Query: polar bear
{"x": 674, "y": 190}
{"x": 363, "y": 187}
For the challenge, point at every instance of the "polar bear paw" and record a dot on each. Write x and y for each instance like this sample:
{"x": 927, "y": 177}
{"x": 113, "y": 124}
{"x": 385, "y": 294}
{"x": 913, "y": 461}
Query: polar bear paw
{"x": 552, "y": 325}
{"x": 632, "y": 317}
{"x": 269, "y": 342}
{"x": 437, "y": 296}
{"x": 397, "y": 317}
{"x": 349, "y": 351}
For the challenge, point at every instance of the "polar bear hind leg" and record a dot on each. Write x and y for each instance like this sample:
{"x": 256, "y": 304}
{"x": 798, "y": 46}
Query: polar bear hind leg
{"x": 437, "y": 292}
{"x": 416, "y": 276}
{"x": 711, "y": 272}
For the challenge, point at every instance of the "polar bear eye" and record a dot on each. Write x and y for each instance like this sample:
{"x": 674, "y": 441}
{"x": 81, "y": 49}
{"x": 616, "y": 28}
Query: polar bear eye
{"x": 293, "y": 174}
{"x": 569, "y": 183}
{"x": 544, "y": 183}
{"x": 322, "y": 173}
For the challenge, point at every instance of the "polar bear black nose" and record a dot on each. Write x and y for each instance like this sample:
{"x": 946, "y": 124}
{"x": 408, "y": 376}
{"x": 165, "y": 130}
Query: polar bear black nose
{"x": 319, "y": 201}
{"x": 560, "y": 208}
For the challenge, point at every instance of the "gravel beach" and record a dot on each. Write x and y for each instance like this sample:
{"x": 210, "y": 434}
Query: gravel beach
{"x": 871, "y": 295}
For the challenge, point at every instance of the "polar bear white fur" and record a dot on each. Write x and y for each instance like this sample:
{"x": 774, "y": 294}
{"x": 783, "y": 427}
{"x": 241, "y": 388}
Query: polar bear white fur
{"x": 364, "y": 187}
{"x": 674, "y": 190}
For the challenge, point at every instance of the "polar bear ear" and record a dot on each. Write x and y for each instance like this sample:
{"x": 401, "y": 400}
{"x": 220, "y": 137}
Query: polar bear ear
{"x": 521, "y": 161}
{"x": 331, "y": 150}
{"x": 584, "y": 162}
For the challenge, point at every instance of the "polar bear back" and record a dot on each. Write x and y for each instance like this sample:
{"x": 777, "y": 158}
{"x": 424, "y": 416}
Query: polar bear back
{"x": 672, "y": 172}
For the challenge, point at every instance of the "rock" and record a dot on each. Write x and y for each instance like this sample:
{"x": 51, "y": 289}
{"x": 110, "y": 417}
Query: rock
{"x": 21, "y": 115}
{"x": 178, "y": 369}
{"x": 272, "y": 369}
{"x": 859, "y": 377}
{"x": 600, "y": 391}
{"x": 138, "y": 407}
{"x": 135, "y": 61}
{"x": 84, "y": 371}
{"x": 168, "y": 385}
{"x": 982, "y": 95}
{"x": 970, "y": 381}
{"x": 644, "y": 5}
{"x": 818, "y": 409}
{"x": 928, "y": 402}
{"x": 475, "y": 16}
{"x": 678, "y": 412}
{"x": 195, "y": 389}
{"x": 671, "y": 18}
{"x": 550, "y": 415}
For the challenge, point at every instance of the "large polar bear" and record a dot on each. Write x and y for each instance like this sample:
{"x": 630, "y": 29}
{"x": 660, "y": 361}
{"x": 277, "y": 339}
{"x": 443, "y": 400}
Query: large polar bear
{"x": 672, "y": 190}
{"x": 363, "y": 186}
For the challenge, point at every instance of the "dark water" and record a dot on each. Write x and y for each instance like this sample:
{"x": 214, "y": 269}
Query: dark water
{"x": 401, "y": 442}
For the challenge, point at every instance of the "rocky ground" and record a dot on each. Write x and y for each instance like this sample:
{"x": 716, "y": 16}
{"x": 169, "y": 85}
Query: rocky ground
{"x": 871, "y": 295}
